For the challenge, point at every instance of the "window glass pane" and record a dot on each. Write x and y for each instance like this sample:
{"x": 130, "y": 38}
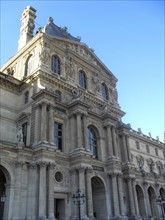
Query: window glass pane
{"x": 82, "y": 79}
{"x": 104, "y": 91}
{"x": 58, "y": 135}
{"x": 92, "y": 143}
{"x": 55, "y": 64}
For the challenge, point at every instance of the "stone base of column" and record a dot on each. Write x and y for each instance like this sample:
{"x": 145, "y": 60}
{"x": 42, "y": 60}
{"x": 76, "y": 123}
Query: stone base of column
{"x": 52, "y": 218}
{"x": 42, "y": 218}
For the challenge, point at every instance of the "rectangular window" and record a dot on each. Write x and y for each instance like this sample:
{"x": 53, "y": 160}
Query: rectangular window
{"x": 137, "y": 145}
{"x": 164, "y": 153}
{"x": 26, "y": 97}
{"x": 156, "y": 151}
{"x": 58, "y": 135}
{"x": 147, "y": 148}
{"x": 24, "y": 132}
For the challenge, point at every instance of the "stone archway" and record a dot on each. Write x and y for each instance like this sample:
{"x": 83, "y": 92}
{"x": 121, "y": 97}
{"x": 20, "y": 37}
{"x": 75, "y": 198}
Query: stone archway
{"x": 2, "y": 191}
{"x": 152, "y": 200}
{"x": 7, "y": 181}
{"x": 140, "y": 199}
{"x": 99, "y": 199}
{"x": 162, "y": 204}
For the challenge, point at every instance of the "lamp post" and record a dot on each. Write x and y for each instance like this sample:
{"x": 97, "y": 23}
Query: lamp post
{"x": 78, "y": 199}
{"x": 161, "y": 202}
{"x": 2, "y": 200}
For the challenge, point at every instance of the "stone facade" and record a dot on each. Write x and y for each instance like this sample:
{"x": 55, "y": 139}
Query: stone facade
{"x": 61, "y": 130}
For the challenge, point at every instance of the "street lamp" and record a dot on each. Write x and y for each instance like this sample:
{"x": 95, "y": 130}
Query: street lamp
{"x": 78, "y": 199}
{"x": 162, "y": 204}
{"x": 3, "y": 197}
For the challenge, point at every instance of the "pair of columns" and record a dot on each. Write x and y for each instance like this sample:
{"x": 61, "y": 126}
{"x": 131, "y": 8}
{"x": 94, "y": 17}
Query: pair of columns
{"x": 117, "y": 195}
{"x": 43, "y": 132}
{"x": 112, "y": 141}
{"x": 32, "y": 190}
{"x": 83, "y": 177}
{"x": 79, "y": 121}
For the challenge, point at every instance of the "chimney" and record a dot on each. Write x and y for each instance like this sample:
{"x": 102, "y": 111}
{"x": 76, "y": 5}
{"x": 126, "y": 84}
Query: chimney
{"x": 27, "y": 26}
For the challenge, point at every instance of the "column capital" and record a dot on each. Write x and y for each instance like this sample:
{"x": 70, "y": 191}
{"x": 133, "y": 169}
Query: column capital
{"x": 81, "y": 169}
{"x": 52, "y": 165}
{"x": 32, "y": 166}
{"x": 89, "y": 170}
{"x": 42, "y": 164}
{"x": 18, "y": 163}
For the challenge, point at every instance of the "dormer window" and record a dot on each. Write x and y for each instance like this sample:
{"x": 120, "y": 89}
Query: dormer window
{"x": 82, "y": 79}
{"x": 104, "y": 91}
{"x": 55, "y": 64}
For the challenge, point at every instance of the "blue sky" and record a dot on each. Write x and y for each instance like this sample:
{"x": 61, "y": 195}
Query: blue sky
{"x": 128, "y": 36}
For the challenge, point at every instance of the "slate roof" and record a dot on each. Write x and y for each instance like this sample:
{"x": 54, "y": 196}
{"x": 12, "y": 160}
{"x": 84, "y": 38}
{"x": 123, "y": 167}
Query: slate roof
{"x": 53, "y": 29}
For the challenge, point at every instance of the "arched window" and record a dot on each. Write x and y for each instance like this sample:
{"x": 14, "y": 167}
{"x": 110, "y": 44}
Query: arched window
{"x": 92, "y": 141}
{"x": 28, "y": 66}
{"x": 55, "y": 64}
{"x": 104, "y": 91}
{"x": 82, "y": 79}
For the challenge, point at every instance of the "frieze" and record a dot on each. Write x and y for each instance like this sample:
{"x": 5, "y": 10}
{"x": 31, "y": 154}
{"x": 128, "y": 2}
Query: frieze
{"x": 98, "y": 168}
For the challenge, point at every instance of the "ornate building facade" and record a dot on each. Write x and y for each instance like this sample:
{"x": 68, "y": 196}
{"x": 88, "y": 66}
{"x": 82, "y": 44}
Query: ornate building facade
{"x": 61, "y": 130}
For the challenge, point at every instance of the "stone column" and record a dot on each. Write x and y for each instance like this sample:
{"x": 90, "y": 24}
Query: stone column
{"x": 37, "y": 126}
{"x": 85, "y": 131}
{"x": 115, "y": 195}
{"x": 79, "y": 130}
{"x": 125, "y": 152}
{"x": 89, "y": 199}
{"x": 115, "y": 150}
{"x": 82, "y": 188}
{"x": 17, "y": 190}
{"x": 43, "y": 122}
{"x": 51, "y": 191}
{"x": 109, "y": 141}
{"x": 146, "y": 199}
{"x": 30, "y": 195}
{"x": 121, "y": 201}
{"x": 135, "y": 197}
{"x": 51, "y": 124}
{"x": 72, "y": 132}
{"x": 128, "y": 147}
{"x": 131, "y": 198}
{"x": 74, "y": 189}
{"x": 42, "y": 190}
{"x": 33, "y": 167}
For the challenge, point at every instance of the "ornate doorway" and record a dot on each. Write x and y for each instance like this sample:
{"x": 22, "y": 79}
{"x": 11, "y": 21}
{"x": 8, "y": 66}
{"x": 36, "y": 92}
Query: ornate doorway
{"x": 99, "y": 199}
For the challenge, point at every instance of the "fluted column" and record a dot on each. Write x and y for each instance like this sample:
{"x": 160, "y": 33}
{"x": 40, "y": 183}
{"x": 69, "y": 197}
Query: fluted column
{"x": 51, "y": 124}
{"x": 30, "y": 195}
{"x": 131, "y": 198}
{"x": 37, "y": 126}
{"x": 51, "y": 191}
{"x": 82, "y": 187}
{"x": 89, "y": 199}
{"x": 85, "y": 131}
{"x": 115, "y": 195}
{"x": 121, "y": 201}
{"x": 42, "y": 189}
{"x": 79, "y": 130}
{"x": 124, "y": 148}
{"x": 115, "y": 147}
{"x": 74, "y": 189}
{"x": 109, "y": 141}
{"x": 17, "y": 191}
{"x": 43, "y": 122}
{"x": 128, "y": 147}
{"x": 33, "y": 167}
